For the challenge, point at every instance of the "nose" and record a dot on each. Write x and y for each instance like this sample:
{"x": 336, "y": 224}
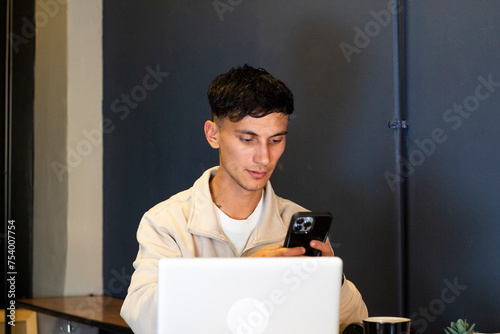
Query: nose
{"x": 262, "y": 154}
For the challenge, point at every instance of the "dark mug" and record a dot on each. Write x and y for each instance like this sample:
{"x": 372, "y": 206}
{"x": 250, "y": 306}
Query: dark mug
{"x": 386, "y": 325}
{"x": 380, "y": 325}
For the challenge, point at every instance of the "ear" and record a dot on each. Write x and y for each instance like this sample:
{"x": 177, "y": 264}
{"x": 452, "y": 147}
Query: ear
{"x": 212, "y": 133}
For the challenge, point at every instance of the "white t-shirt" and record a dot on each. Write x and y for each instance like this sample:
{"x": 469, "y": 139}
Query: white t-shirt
{"x": 238, "y": 231}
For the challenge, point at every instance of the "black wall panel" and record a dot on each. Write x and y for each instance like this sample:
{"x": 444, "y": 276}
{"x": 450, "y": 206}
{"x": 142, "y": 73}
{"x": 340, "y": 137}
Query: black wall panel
{"x": 453, "y": 101}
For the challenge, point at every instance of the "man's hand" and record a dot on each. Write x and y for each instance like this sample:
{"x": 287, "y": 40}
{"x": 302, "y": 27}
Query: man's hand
{"x": 278, "y": 250}
{"x": 324, "y": 247}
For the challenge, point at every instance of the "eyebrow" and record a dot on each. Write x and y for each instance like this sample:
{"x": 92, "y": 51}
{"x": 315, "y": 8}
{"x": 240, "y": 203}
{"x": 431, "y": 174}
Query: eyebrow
{"x": 251, "y": 133}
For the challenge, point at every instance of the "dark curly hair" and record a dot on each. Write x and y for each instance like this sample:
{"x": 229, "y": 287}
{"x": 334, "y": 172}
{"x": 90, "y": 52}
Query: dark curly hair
{"x": 247, "y": 91}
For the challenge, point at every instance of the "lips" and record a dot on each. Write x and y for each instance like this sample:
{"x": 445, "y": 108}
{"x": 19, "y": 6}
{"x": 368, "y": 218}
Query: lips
{"x": 256, "y": 174}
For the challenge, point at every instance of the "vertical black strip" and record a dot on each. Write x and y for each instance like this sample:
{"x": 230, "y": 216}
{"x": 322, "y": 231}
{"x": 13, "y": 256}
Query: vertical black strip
{"x": 405, "y": 289}
{"x": 6, "y": 26}
{"x": 22, "y": 44}
{"x": 399, "y": 140}
{"x": 18, "y": 97}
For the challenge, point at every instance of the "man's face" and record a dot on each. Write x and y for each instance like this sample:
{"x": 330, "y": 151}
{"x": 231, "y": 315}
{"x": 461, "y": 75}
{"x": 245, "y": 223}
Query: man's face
{"x": 250, "y": 149}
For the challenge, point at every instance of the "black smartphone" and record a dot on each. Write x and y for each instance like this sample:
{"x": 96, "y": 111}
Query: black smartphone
{"x": 305, "y": 227}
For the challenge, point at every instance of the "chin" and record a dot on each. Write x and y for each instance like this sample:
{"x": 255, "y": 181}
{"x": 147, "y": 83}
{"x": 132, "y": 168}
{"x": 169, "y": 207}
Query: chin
{"x": 259, "y": 187}
{"x": 254, "y": 187}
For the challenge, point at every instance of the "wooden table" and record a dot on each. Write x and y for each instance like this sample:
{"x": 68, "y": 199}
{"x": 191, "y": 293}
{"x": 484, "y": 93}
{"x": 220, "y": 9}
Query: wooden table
{"x": 97, "y": 311}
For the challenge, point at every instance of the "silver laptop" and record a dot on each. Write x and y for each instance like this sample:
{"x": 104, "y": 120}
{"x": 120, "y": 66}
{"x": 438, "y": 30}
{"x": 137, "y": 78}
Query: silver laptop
{"x": 249, "y": 295}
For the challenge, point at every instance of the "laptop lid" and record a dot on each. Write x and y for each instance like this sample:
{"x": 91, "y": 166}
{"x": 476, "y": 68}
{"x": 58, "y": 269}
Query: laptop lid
{"x": 249, "y": 295}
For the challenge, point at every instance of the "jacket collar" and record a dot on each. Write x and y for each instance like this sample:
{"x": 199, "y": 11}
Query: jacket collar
{"x": 204, "y": 220}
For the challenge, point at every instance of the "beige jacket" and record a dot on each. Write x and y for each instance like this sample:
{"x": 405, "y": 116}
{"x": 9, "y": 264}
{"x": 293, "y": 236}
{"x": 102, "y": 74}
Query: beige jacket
{"x": 186, "y": 225}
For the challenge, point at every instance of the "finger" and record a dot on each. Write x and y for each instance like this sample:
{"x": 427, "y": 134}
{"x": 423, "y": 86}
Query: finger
{"x": 269, "y": 251}
{"x": 295, "y": 251}
{"x": 324, "y": 247}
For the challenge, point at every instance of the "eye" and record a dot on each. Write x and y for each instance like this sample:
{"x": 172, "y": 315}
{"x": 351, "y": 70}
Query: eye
{"x": 246, "y": 139}
{"x": 277, "y": 140}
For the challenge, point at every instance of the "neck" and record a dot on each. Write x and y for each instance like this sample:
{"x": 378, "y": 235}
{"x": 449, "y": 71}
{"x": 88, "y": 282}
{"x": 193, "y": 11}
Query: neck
{"x": 237, "y": 204}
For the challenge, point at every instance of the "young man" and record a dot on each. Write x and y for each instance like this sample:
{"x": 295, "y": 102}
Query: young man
{"x": 231, "y": 210}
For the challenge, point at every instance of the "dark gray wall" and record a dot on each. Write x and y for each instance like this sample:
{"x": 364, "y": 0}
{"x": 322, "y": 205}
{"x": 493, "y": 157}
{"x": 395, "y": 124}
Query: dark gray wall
{"x": 454, "y": 189}
{"x": 339, "y": 148}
